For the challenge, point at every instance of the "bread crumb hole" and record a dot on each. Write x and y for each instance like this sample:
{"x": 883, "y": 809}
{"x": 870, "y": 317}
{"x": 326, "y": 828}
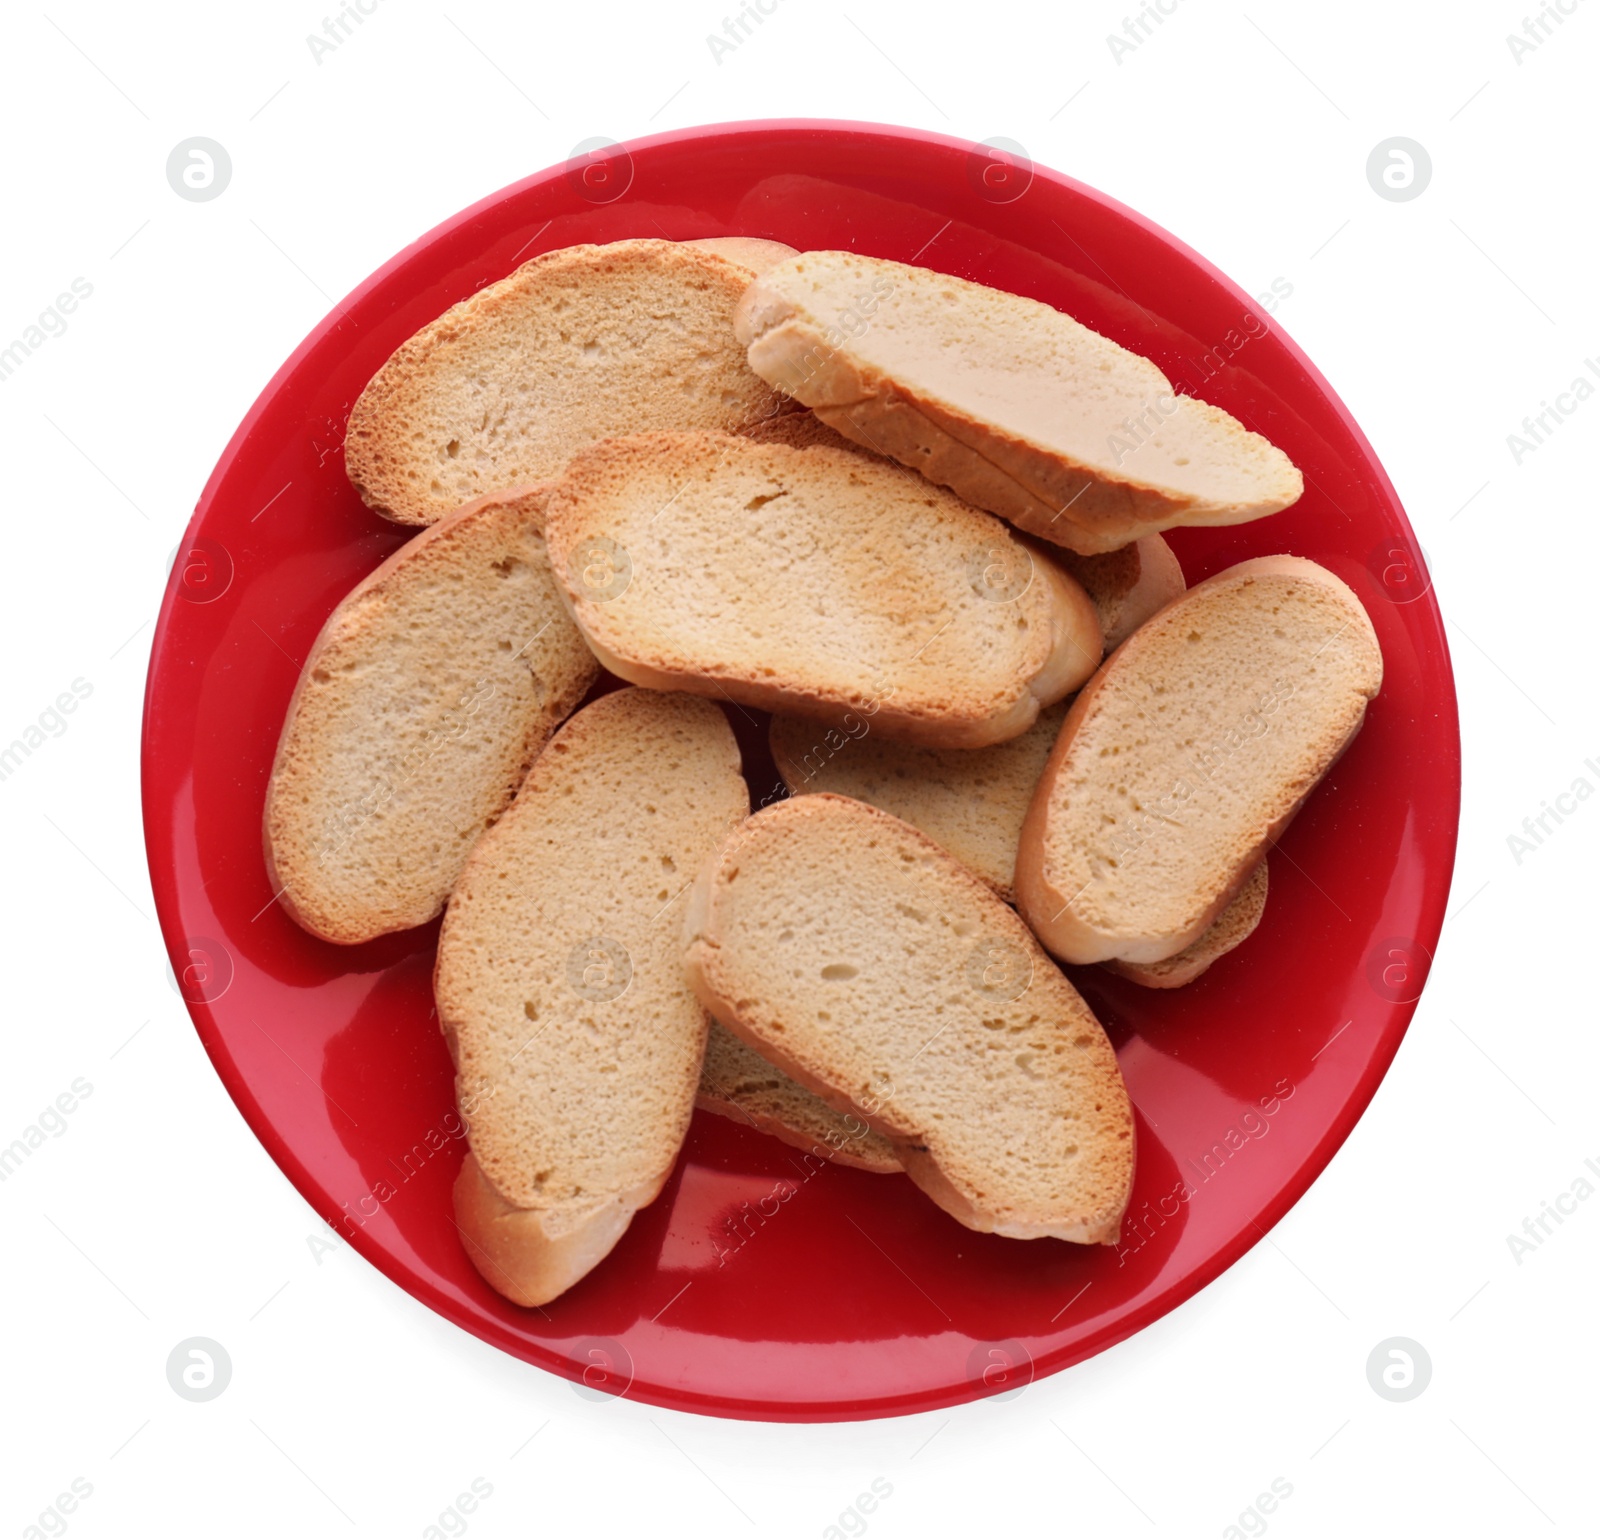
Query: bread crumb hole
{"x": 836, "y": 971}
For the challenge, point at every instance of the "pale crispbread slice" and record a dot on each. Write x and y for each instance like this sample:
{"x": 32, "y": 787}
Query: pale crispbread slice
{"x": 814, "y": 580}
{"x": 1014, "y": 405}
{"x": 576, "y": 344}
{"x": 423, "y": 701}
{"x": 1128, "y": 585}
{"x": 971, "y": 801}
{"x": 1187, "y": 755}
{"x": 560, "y": 986}
{"x": 873, "y": 968}
{"x": 736, "y": 1082}
{"x": 1235, "y": 925}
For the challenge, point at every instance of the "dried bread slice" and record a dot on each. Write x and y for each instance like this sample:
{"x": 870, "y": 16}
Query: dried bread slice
{"x": 738, "y": 1083}
{"x": 813, "y": 581}
{"x": 576, "y": 344}
{"x": 753, "y": 253}
{"x": 873, "y": 968}
{"x": 805, "y": 430}
{"x": 971, "y": 801}
{"x": 1014, "y": 405}
{"x": 425, "y": 698}
{"x": 560, "y": 987}
{"x": 1128, "y": 585}
{"x": 1187, "y": 755}
{"x": 1233, "y": 926}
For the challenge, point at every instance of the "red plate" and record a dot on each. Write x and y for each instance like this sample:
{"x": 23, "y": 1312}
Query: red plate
{"x": 749, "y": 1289}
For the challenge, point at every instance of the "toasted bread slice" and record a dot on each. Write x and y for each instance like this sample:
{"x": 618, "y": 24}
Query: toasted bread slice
{"x": 425, "y": 698}
{"x": 813, "y": 581}
{"x": 750, "y": 252}
{"x": 560, "y": 986}
{"x": 873, "y": 968}
{"x": 1234, "y": 925}
{"x": 1127, "y": 586}
{"x": 738, "y": 1083}
{"x": 805, "y": 430}
{"x": 1187, "y": 755}
{"x": 579, "y": 343}
{"x": 1010, "y": 403}
{"x": 971, "y": 801}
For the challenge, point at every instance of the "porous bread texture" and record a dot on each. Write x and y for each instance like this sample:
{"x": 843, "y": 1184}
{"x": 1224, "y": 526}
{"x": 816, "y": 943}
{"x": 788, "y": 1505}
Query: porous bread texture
{"x": 874, "y": 969}
{"x": 1013, "y": 404}
{"x": 426, "y": 696}
{"x": 970, "y": 801}
{"x": 560, "y": 988}
{"x": 576, "y": 344}
{"x": 737, "y": 1083}
{"x": 812, "y": 581}
{"x": 1234, "y": 925}
{"x": 1187, "y": 755}
{"x": 1128, "y": 585}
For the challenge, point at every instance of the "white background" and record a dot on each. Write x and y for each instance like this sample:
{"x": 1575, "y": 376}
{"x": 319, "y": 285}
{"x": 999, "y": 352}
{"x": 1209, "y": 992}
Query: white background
{"x": 155, "y": 1216}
